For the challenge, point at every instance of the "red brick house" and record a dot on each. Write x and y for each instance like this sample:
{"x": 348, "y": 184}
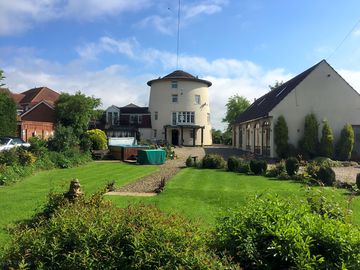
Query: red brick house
{"x": 35, "y": 112}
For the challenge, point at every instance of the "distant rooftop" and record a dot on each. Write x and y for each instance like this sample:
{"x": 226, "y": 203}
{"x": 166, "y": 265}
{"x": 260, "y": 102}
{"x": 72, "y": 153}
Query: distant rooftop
{"x": 179, "y": 75}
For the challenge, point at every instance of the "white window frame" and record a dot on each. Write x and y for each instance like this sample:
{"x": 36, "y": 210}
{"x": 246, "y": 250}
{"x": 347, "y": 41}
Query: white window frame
{"x": 197, "y": 99}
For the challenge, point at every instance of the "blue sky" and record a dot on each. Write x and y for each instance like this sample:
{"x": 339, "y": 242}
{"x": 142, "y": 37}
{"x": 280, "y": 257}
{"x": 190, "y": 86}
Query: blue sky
{"x": 111, "y": 48}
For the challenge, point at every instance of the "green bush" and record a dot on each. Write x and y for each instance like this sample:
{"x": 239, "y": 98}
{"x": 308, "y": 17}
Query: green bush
{"x": 258, "y": 166}
{"x": 326, "y": 175}
{"x": 346, "y": 143}
{"x": 64, "y": 139}
{"x": 233, "y": 164}
{"x": 25, "y": 157}
{"x": 326, "y": 147}
{"x": 323, "y": 161}
{"x": 309, "y": 144}
{"x": 312, "y": 169}
{"x": 189, "y": 162}
{"x": 276, "y": 170}
{"x": 244, "y": 167}
{"x": 93, "y": 234}
{"x": 211, "y": 161}
{"x": 38, "y": 146}
{"x": 270, "y": 233}
{"x": 98, "y": 139}
{"x": 281, "y": 137}
{"x": 9, "y": 157}
{"x": 292, "y": 166}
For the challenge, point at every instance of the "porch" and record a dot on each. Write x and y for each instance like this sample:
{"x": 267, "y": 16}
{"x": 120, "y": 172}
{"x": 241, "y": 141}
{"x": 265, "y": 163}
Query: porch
{"x": 185, "y": 135}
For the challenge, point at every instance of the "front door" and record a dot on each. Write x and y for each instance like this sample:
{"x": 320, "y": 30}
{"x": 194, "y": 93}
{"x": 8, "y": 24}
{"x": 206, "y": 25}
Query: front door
{"x": 175, "y": 137}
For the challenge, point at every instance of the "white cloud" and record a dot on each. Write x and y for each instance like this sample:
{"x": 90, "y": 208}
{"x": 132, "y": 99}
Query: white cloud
{"x": 166, "y": 21}
{"x": 356, "y": 32}
{"x": 20, "y": 15}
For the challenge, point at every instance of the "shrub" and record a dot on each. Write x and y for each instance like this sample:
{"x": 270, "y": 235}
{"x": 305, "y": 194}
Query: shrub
{"x": 326, "y": 147}
{"x": 38, "y": 146}
{"x": 25, "y": 157}
{"x": 244, "y": 167}
{"x": 281, "y": 137}
{"x": 189, "y": 162}
{"x": 312, "y": 169}
{"x": 345, "y": 144}
{"x": 98, "y": 139}
{"x": 9, "y": 157}
{"x": 358, "y": 180}
{"x": 233, "y": 164}
{"x": 270, "y": 233}
{"x": 292, "y": 166}
{"x": 323, "y": 161}
{"x": 258, "y": 166}
{"x": 326, "y": 175}
{"x": 212, "y": 161}
{"x": 63, "y": 140}
{"x": 278, "y": 169}
{"x": 310, "y": 142}
{"x": 93, "y": 234}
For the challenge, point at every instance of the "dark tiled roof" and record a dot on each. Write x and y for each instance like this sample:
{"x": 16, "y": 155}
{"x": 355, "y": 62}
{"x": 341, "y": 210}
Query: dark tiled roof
{"x": 263, "y": 105}
{"x": 135, "y": 110}
{"x": 38, "y": 94}
{"x": 180, "y": 75}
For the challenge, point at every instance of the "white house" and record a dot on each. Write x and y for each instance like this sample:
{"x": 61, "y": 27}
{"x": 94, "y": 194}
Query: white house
{"x": 319, "y": 90}
{"x": 180, "y": 110}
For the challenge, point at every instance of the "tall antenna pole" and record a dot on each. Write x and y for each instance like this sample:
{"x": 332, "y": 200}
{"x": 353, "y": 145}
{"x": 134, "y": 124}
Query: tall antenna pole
{"x": 178, "y": 39}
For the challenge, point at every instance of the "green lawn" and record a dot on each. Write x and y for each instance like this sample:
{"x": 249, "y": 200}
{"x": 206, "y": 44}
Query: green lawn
{"x": 19, "y": 201}
{"x": 198, "y": 194}
{"x": 204, "y": 194}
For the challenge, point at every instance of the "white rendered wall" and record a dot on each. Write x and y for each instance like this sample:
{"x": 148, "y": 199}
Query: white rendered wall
{"x": 161, "y": 102}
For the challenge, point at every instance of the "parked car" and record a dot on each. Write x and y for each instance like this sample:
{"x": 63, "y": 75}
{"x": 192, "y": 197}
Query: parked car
{"x": 7, "y": 143}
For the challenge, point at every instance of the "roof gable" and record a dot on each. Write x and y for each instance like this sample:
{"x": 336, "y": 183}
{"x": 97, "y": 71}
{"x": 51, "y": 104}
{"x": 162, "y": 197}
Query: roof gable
{"x": 263, "y": 105}
{"x": 36, "y": 95}
{"x": 41, "y": 112}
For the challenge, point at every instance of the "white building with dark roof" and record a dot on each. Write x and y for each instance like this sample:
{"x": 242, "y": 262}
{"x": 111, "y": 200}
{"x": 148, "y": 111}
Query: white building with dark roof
{"x": 319, "y": 90}
{"x": 180, "y": 110}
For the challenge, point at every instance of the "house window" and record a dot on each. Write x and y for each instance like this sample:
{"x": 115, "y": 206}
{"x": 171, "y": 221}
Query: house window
{"x": 109, "y": 120}
{"x": 208, "y": 118}
{"x": 174, "y": 98}
{"x": 156, "y": 115}
{"x": 140, "y": 119}
{"x": 135, "y": 119}
{"x": 155, "y": 133}
{"x": 174, "y": 84}
{"x": 174, "y": 118}
{"x": 197, "y": 99}
{"x": 116, "y": 118}
{"x": 183, "y": 118}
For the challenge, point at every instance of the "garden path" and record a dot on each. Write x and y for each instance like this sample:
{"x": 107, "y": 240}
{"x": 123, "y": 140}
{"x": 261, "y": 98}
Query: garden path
{"x": 150, "y": 183}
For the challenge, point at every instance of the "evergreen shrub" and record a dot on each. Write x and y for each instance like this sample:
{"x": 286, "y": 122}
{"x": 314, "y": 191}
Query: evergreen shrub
{"x": 211, "y": 161}
{"x": 258, "y": 166}
{"x": 292, "y": 166}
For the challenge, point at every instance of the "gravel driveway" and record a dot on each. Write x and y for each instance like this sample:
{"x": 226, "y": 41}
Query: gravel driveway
{"x": 150, "y": 183}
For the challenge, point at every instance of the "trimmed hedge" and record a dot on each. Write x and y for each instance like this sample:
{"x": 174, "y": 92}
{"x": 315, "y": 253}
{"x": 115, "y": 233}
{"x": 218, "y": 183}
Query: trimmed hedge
{"x": 258, "y": 166}
{"x": 211, "y": 161}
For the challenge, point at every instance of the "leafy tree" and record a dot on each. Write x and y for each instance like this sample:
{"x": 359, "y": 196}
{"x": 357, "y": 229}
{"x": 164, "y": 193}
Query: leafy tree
{"x": 2, "y": 77}
{"x": 216, "y": 136}
{"x": 63, "y": 140}
{"x": 7, "y": 112}
{"x": 276, "y": 85}
{"x": 346, "y": 143}
{"x": 309, "y": 144}
{"x": 75, "y": 111}
{"x": 327, "y": 141}
{"x": 281, "y": 137}
{"x": 97, "y": 138}
{"x": 227, "y": 137}
{"x": 234, "y": 107}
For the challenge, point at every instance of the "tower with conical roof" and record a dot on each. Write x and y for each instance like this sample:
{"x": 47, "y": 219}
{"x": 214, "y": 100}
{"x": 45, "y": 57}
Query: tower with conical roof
{"x": 180, "y": 110}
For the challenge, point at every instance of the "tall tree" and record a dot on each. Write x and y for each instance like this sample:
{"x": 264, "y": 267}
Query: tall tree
{"x": 281, "y": 137}
{"x": 276, "y": 85}
{"x": 7, "y": 111}
{"x": 345, "y": 144}
{"x": 234, "y": 107}
{"x": 2, "y": 77}
{"x": 75, "y": 111}
{"x": 309, "y": 144}
{"x": 327, "y": 141}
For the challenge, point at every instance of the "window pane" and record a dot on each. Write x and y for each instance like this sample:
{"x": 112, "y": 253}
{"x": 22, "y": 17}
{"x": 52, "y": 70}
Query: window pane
{"x": 174, "y": 84}
{"x": 192, "y": 117}
{"x": 174, "y": 98}
{"x": 174, "y": 118}
{"x": 197, "y": 99}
